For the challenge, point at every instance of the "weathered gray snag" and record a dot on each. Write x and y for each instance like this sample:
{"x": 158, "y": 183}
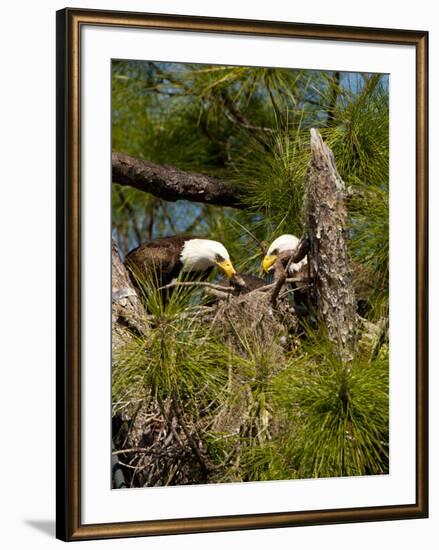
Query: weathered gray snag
{"x": 128, "y": 313}
{"x": 325, "y": 220}
{"x": 171, "y": 184}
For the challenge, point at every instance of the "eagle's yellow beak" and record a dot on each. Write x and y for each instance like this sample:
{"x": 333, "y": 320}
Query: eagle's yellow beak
{"x": 227, "y": 267}
{"x": 268, "y": 262}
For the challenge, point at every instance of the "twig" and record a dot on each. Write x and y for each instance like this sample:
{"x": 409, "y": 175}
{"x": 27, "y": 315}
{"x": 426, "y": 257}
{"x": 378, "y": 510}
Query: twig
{"x": 257, "y": 241}
{"x": 224, "y": 292}
{"x": 272, "y": 285}
{"x": 133, "y": 450}
{"x": 172, "y": 472}
{"x": 204, "y": 463}
{"x": 335, "y": 91}
{"x": 170, "y": 424}
{"x": 218, "y": 293}
{"x": 274, "y": 104}
{"x": 151, "y": 220}
{"x": 240, "y": 118}
{"x": 129, "y": 466}
{"x": 198, "y": 283}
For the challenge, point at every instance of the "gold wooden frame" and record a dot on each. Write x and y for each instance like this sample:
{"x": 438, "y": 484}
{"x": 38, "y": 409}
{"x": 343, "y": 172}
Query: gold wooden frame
{"x": 69, "y": 526}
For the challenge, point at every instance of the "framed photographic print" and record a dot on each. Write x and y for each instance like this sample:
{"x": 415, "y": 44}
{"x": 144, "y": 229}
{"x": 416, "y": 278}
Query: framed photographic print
{"x": 242, "y": 274}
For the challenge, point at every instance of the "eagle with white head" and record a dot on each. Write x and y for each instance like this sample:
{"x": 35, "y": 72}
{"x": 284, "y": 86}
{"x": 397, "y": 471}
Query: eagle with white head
{"x": 282, "y": 245}
{"x": 166, "y": 258}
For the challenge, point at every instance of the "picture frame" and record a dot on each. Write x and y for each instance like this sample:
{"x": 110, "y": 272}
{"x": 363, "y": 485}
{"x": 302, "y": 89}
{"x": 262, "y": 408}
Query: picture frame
{"x": 72, "y": 235}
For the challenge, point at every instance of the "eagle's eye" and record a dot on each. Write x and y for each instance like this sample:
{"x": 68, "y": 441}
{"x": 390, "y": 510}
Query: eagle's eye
{"x": 275, "y": 252}
{"x": 219, "y": 258}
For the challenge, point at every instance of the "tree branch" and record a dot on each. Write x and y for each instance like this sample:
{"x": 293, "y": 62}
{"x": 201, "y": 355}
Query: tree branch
{"x": 240, "y": 119}
{"x": 335, "y": 91}
{"x": 172, "y": 184}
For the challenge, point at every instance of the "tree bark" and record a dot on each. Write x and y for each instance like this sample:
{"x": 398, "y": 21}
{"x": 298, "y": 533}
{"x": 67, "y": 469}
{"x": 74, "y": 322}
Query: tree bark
{"x": 128, "y": 314}
{"x": 172, "y": 184}
{"x": 325, "y": 219}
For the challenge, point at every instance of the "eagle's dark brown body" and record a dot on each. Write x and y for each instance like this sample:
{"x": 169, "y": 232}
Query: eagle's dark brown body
{"x": 158, "y": 262}
{"x": 245, "y": 282}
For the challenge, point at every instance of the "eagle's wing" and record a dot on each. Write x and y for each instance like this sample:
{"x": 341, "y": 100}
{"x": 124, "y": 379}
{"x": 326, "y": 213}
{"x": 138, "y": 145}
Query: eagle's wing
{"x": 158, "y": 260}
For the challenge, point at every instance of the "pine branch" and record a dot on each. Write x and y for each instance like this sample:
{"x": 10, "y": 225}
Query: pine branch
{"x": 171, "y": 184}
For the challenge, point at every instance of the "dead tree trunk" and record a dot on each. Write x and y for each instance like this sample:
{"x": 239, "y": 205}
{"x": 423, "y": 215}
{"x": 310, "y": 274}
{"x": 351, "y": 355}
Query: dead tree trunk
{"x": 128, "y": 313}
{"x": 325, "y": 220}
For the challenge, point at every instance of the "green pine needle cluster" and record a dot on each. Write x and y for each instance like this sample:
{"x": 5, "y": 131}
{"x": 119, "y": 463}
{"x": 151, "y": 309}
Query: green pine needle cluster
{"x": 340, "y": 414}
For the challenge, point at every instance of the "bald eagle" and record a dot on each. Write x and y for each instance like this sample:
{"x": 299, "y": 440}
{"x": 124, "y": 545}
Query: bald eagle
{"x": 277, "y": 258}
{"x": 284, "y": 245}
{"x": 164, "y": 259}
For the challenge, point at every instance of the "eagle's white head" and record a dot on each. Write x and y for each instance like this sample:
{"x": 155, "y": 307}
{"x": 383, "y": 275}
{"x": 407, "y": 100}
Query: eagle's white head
{"x": 201, "y": 254}
{"x": 284, "y": 243}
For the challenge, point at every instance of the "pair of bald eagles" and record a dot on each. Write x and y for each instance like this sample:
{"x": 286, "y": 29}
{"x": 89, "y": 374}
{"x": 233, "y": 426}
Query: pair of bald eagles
{"x": 165, "y": 259}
